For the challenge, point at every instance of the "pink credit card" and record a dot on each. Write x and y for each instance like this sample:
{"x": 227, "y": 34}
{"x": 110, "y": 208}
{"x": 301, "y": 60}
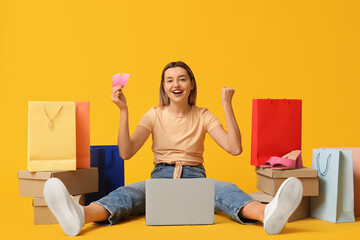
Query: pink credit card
{"x": 120, "y": 78}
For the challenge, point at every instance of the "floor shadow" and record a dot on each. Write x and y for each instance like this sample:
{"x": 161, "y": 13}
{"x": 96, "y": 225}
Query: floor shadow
{"x": 292, "y": 230}
{"x": 90, "y": 227}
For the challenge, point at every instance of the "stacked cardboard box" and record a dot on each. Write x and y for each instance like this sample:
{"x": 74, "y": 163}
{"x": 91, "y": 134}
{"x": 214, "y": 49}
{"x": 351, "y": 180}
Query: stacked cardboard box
{"x": 79, "y": 182}
{"x": 269, "y": 181}
{"x": 43, "y": 215}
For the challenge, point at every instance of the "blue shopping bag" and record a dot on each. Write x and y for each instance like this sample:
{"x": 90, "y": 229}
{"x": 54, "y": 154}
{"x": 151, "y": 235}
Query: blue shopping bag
{"x": 335, "y": 202}
{"x": 97, "y": 159}
{"x": 114, "y": 167}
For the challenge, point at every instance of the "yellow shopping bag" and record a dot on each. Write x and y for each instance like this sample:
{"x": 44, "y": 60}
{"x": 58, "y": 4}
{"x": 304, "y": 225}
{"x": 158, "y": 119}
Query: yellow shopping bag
{"x": 51, "y": 136}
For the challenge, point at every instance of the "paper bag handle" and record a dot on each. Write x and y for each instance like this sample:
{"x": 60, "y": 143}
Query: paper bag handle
{"x": 50, "y": 123}
{"x": 327, "y": 164}
{"x": 271, "y": 100}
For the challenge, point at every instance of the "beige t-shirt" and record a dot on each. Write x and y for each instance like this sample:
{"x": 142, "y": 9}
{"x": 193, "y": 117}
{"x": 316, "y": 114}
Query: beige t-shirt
{"x": 178, "y": 139}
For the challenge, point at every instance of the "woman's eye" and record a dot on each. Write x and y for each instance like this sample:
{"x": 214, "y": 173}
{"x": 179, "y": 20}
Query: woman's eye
{"x": 183, "y": 79}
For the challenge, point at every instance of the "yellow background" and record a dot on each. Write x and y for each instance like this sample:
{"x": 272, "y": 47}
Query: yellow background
{"x": 68, "y": 50}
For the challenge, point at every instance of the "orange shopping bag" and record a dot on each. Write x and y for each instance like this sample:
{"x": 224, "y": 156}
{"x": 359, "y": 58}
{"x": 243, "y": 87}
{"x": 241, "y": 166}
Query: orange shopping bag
{"x": 82, "y": 134}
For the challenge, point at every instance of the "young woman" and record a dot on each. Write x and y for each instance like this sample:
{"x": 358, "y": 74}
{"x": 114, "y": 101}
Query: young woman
{"x": 178, "y": 129}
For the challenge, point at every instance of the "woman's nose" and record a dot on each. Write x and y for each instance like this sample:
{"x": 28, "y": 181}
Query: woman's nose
{"x": 176, "y": 83}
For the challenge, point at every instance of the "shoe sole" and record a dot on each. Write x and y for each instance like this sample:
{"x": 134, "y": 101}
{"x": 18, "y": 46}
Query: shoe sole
{"x": 57, "y": 198}
{"x": 286, "y": 201}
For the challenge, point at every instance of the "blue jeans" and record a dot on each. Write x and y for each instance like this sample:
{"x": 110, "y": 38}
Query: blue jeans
{"x": 130, "y": 200}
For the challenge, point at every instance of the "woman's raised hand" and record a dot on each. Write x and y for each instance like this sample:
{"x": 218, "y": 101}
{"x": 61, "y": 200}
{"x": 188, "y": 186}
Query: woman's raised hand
{"x": 226, "y": 95}
{"x": 117, "y": 96}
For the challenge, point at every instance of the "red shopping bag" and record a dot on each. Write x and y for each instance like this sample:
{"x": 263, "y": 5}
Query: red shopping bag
{"x": 82, "y": 135}
{"x": 276, "y": 128}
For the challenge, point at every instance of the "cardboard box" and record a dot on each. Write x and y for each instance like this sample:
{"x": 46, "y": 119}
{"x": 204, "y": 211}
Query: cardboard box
{"x": 81, "y": 181}
{"x": 43, "y": 215}
{"x": 269, "y": 180}
{"x": 301, "y": 212}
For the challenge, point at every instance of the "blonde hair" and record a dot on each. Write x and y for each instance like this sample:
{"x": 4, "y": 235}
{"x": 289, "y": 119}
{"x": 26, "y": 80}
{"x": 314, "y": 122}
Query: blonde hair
{"x": 163, "y": 97}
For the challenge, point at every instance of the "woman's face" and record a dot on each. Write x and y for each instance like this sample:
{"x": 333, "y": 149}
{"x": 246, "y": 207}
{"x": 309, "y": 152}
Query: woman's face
{"x": 177, "y": 85}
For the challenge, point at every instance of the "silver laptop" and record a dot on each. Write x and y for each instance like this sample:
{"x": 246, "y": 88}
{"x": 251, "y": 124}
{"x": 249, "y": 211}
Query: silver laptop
{"x": 186, "y": 201}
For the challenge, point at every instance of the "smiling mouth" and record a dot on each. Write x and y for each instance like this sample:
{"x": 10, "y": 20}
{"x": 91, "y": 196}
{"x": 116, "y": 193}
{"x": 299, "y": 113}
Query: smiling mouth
{"x": 177, "y": 92}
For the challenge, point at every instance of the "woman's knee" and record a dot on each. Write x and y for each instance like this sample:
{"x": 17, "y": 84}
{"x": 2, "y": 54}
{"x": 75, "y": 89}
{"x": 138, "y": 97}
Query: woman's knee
{"x": 222, "y": 184}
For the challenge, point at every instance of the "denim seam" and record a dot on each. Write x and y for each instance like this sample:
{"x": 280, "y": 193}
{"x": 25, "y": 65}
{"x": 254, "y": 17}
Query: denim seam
{"x": 198, "y": 171}
{"x": 157, "y": 169}
{"x": 194, "y": 169}
{"x": 226, "y": 204}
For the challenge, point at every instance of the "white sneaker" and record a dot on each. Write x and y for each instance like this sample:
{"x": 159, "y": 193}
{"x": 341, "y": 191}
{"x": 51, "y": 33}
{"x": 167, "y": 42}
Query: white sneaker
{"x": 285, "y": 202}
{"x": 69, "y": 213}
